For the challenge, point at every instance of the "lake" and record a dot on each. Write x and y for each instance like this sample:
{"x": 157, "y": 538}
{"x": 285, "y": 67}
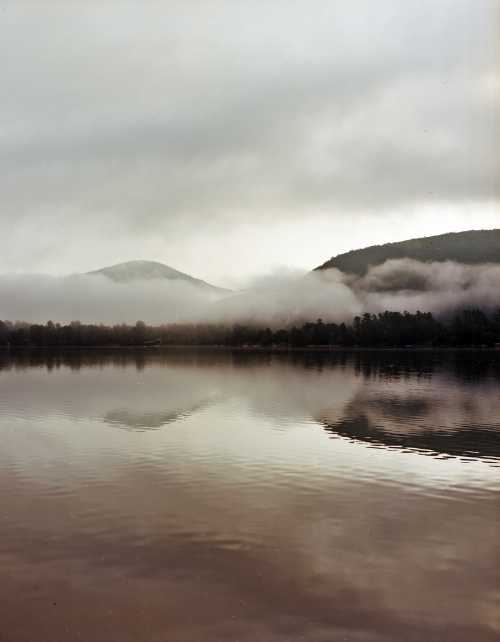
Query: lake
{"x": 175, "y": 496}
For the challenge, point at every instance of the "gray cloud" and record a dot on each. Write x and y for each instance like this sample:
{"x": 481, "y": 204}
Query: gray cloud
{"x": 160, "y": 122}
{"x": 440, "y": 287}
{"x": 37, "y": 298}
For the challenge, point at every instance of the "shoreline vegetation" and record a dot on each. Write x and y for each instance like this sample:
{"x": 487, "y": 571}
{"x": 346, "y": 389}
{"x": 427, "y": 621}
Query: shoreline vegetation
{"x": 471, "y": 328}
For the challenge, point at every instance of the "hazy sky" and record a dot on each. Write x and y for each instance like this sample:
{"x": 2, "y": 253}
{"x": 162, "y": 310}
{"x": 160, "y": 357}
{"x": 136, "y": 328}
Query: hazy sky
{"x": 228, "y": 138}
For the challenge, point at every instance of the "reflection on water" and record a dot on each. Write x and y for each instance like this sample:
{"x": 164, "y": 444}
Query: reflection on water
{"x": 188, "y": 496}
{"x": 440, "y": 414}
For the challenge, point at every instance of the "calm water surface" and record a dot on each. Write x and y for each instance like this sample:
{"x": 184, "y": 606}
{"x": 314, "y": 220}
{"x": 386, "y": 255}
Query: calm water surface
{"x": 203, "y": 497}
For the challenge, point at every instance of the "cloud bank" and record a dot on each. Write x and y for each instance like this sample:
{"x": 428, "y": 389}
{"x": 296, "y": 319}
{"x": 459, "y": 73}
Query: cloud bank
{"x": 38, "y": 298}
{"x": 438, "y": 287}
{"x": 399, "y": 285}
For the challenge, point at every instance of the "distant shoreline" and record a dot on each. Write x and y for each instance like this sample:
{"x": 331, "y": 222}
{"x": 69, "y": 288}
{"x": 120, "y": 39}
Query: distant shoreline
{"x": 469, "y": 330}
{"x": 225, "y": 348}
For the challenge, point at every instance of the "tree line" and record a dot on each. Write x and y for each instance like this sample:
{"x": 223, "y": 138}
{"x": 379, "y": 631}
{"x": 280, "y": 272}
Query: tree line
{"x": 387, "y": 329}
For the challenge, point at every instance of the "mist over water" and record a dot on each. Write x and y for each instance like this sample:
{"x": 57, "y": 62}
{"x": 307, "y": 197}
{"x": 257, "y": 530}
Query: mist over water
{"x": 191, "y": 495}
{"x": 397, "y": 285}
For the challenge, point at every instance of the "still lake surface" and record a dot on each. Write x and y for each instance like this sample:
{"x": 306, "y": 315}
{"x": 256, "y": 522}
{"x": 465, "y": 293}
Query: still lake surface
{"x": 215, "y": 496}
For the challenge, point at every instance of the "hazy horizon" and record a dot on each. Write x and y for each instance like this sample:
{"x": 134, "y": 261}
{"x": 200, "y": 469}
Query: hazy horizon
{"x": 441, "y": 288}
{"x": 250, "y": 281}
{"x": 234, "y": 139}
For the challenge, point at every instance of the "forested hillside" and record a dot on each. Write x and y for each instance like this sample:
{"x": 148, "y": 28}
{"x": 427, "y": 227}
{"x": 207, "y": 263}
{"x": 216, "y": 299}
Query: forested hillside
{"x": 472, "y": 247}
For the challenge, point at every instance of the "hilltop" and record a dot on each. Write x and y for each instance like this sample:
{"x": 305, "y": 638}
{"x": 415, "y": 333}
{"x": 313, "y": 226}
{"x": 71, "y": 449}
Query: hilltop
{"x": 148, "y": 270}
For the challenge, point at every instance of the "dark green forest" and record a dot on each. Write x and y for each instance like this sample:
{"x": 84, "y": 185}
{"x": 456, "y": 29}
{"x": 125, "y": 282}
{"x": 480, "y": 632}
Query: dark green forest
{"x": 388, "y": 329}
{"x": 470, "y": 248}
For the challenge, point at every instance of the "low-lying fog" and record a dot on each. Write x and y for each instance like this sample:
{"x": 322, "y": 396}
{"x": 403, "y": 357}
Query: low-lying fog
{"x": 401, "y": 284}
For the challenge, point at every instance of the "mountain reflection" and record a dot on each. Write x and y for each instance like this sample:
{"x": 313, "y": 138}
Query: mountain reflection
{"x": 136, "y": 485}
{"x": 475, "y": 442}
{"x": 438, "y": 416}
{"x": 432, "y": 403}
{"x": 150, "y": 421}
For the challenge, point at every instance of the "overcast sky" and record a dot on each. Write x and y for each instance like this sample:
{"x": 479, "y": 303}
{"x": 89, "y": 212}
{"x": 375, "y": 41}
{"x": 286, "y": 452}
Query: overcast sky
{"x": 229, "y": 138}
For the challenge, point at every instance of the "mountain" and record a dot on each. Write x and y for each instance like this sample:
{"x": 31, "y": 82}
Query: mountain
{"x": 148, "y": 270}
{"x": 472, "y": 247}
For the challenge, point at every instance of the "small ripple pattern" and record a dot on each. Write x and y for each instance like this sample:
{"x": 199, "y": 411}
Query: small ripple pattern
{"x": 208, "y": 499}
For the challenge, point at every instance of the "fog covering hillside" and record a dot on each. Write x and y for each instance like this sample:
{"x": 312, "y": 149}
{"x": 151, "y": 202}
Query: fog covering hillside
{"x": 470, "y": 248}
{"x": 157, "y": 294}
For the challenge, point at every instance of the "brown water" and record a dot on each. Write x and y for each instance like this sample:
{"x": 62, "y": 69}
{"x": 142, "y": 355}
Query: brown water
{"x": 173, "y": 497}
